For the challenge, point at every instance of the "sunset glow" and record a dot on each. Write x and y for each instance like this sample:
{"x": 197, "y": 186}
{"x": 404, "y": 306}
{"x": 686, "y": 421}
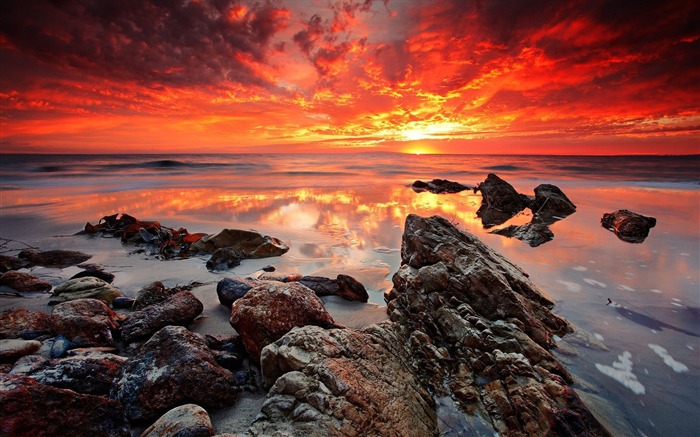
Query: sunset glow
{"x": 411, "y": 76}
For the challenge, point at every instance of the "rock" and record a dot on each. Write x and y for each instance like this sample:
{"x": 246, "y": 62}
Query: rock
{"x": 84, "y": 288}
{"x": 344, "y": 286}
{"x": 23, "y": 282}
{"x": 180, "y": 309}
{"x": 95, "y": 271}
{"x": 187, "y": 420}
{"x": 23, "y": 323}
{"x": 627, "y": 225}
{"x": 125, "y": 303}
{"x": 499, "y": 201}
{"x": 225, "y": 258}
{"x": 88, "y": 373}
{"x": 154, "y": 292}
{"x": 270, "y": 310}
{"x": 249, "y": 243}
{"x": 231, "y": 289}
{"x": 439, "y": 186}
{"x": 11, "y": 263}
{"x": 466, "y": 351}
{"x": 173, "y": 367}
{"x": 15, "y": 348}
{"x": 29, "y": 408}
{"x": 551, "y": 203}
{"x": 533, "y": 234}
{"x": 54, "y": 258}
{"x": 85, "y": 322}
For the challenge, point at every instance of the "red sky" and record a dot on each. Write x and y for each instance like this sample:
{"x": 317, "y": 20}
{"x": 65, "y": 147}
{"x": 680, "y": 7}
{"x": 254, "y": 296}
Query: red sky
{"x": 452, "y": 76}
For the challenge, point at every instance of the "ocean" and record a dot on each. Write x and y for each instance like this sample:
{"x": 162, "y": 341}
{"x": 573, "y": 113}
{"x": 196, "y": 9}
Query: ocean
{"x": 343, "y": 213}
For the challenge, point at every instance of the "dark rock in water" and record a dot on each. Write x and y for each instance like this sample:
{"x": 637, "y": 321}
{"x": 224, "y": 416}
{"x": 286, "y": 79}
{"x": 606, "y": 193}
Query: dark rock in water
{"x": 85, "y": 322}
{"x": 23, "y": 282}
{"x": 225, "y": 258}
{"x": 269, "y": 268}
{"x": 550, "y": 202}
{"x": 499, "y": 201}
{"x": 84, "y": 288}
{"x": 439, "y": 186}
{"x": 465, "y": 325}
{"x": 11, "y": 263}
{"x": 152, "y": 293}
{"x": 344, "y": 286}
{"x": 125, "y": 303}
{"x": 230, "y": 290}
{"x": 95, "y": 271}
{"x": 270, "y": 310}
{"x": 179, "y": 309}
{"x": 187, "y": 420}
{"x": 54, "y": 258}
{"x": 88, "y": 373}
{"x": 173, "y": 367}
{"x": 249, "y": 243}
{"x": 627, "y": 225}
{"x": 29, "y": 408}
{"x": 533, "y": 234}
{"x": 12, "y": 349}
{"x": 22, "y": 323}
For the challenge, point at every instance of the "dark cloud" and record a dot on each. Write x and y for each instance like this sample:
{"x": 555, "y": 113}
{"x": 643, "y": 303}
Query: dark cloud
{"x": 151, "y": 41}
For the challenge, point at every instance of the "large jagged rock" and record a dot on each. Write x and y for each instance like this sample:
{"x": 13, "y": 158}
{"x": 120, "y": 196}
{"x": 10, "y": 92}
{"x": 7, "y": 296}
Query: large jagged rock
{"x": 627, "y": 225}
{"x": 466, "y": 352}
{"x": 270, "y": 310}
{"x": 551, "y": 203}
{"x": 173, "y": 367}
{"x": 29, "y": 408}
{"x": 499, "y": 201}
{"x": 179, "y": 309}
{"x": 84, "y": 288}
{"x": 54, "y": 258}
{"x": 23, "y": 282}
{"x": 23, "y": 323}
{"x": 85, "y": 322}
{"x": 249, "y": 243}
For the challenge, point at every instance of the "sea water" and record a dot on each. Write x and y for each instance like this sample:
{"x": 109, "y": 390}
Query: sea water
{"x": 344, "y": 213}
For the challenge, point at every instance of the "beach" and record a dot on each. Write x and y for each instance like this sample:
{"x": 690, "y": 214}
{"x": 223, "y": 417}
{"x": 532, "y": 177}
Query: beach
{"x": 345, "y": 214}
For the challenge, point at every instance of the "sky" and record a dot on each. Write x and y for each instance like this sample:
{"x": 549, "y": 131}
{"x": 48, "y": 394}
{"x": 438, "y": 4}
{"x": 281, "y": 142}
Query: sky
{"x": 412, "y": 76}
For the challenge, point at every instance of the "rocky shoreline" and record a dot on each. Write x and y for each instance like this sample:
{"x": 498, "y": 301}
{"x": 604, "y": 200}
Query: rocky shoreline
{"x": 467, "y": 349}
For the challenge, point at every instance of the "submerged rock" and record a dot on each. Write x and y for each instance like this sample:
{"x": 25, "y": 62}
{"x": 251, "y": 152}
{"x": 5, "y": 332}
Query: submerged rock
{"x": 627, "y": 225}
{"x": 85, "y": 322}
{"x": 499, "y": 201}
{"x": 225, "y": 258}
{"x": 551, "y": 203}
{"x": 23, "y": 282}
{"x": 173, "y": 367}
{"x": 187, "y": 420}
{"x": 29, "y": 408}
{"x": 54, "y": 258}
{"x": 466, "y": 326}
{"x": 95, "y": 271}
{"x": 84, "y": 288}
{"x": 270, "y": 310}
{"x": 179, "y": 309}
{"x": 249, "y": 243}
{"x": 533, "y": 234}
{"x": 23, "y": 323}
{"x": 439, "y": 186}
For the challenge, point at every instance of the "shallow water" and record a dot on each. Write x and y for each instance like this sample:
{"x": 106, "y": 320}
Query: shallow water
{"x": 345, "y": 213}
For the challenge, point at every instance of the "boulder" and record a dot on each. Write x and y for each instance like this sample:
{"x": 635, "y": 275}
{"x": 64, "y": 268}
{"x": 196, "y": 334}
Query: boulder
{"x": 231, "y": 289}
{"x": 29, "y": 408}
{"x": 23, "y": 282}
{"x": 23, "y": 323}
{"x": 179, "y": 309}
{"x": 249, "y": 243}
{"x": 54, "y": 258}
{"x": 533, "y": 234}
{"x": 439, "y": 186}
{"x": 84, "y": 288}
{"x": 13, "y": 349}
{"x": 627, "y": 225}
{"x": 466, "y": 352}
{"x": 270, "y": 310}
{"x": 11, "y": 263}
{"x": 187, "y": 420}
{"x": 344, "y": 286}
{"x": 85, "y": 322}
{"x": 90, "y": 372}
{"x": 173, "y": 367}
{"x": 499, "y": 201}
{"x": 225, "y": 258}
{"x": 551, "y": 203}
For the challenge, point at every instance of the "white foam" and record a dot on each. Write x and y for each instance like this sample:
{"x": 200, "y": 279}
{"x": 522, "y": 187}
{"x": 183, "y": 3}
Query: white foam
{"x": 656, "y": 290}
{"x": 595, "y": 283}
{"x": 571, "y": 286}
{"x": 580, "y": 268}
{"x": 598, "y": 336}
{"x": 625, "y": 287}
{"x": 677, "y": 366}
{"x": 621, "y": 371}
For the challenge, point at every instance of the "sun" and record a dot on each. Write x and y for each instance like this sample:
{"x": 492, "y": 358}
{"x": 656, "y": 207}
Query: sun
{"x": 418, "y": 149}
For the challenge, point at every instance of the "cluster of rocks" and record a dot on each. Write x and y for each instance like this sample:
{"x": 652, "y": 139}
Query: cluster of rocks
{"x": 227, "y": 248}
